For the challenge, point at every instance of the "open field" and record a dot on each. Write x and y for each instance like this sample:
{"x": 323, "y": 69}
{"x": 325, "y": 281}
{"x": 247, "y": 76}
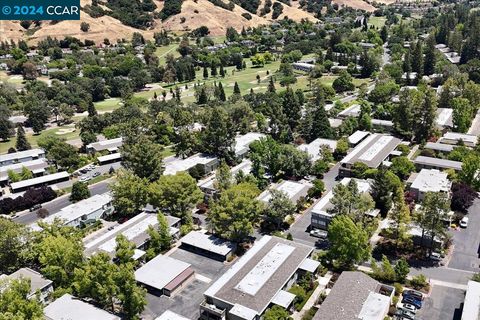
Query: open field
{"x": 107, "y": 105}
{"x": 377, "y": 22}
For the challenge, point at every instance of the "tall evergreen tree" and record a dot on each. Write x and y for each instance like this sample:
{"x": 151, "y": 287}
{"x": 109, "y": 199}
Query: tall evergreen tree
{"x": 91, "y": 109}
{"x": 321, "y": 126}
{"x": 271, "y": 85}
{"x": 221, "y": 92}
{"x": 222, "y": 71}
{"x": 22, "y": 142}
{"x": 417, "y": 59}
{"x": 430, "y": 57}
{"x": 205, "y": 72}
{"x": 236, "y": 88}
{"x": 291, "y": 108}
{"x": 425, "y": 115}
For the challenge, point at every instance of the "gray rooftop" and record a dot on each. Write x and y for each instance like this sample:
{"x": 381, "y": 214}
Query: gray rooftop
{"x": 40, "y": 180}
{"x": 431, "y": 180}
{"x": 255, "y": 279}
{"x": 471, "y": 306}
{"x": 106, "y": 144}
{"x": 436, "y": 162}
{"x": 160, "y": 271}
{"x": 373, "y": 150}
{"x": 346, "y": 299}
{"x": 21, "y": 155}
{"x": 32, "y": 165}
{"x": 208, "y": 242}
{"x": 439, "y": 146}
{"x": 37, "y": 281}
{"x": 68, "y": 307}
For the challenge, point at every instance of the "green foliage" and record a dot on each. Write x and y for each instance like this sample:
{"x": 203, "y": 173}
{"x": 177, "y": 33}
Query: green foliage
{"x": 234, "y": 215}
{"x": 143, "y": 157}
{"x": 402, "y": 167}
{"x": 160, "y": 238}
{"x": 22, "y": 142}
{"x": 402, "y": 269}
{"x": 276, "y": 313}
{"x": 349, "y": 242}
{"x": 343, "y": 83}
{"x": 176, "y": 194}
{"x": 15, "y": 304}
{"x": 130, "y": 193}
{"x": 419, "y": 282}
{"x": 80, "y": 191}
{"x": 278, "y": 208}
{"x": 14, "y": 245}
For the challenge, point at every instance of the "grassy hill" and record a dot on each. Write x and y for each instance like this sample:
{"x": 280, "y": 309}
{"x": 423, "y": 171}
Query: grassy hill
{"x": 116, "y": 19}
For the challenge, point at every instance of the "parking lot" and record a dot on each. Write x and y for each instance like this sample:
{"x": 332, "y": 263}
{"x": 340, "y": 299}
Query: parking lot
{"x": 443, "y": 304}
{"x": 186, "y": 302}
{"x": 466, "y": 243}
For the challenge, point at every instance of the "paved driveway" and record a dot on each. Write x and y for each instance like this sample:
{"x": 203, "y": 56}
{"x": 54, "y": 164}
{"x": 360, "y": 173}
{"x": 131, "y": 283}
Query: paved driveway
{"x": 443, "y": 304}
{"x": 466, "y": 251}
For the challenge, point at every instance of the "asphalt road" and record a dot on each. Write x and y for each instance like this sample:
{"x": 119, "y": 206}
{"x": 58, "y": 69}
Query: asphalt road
{"x": 56, "y": 205}
{"x": 466, "y": 242}
{"x": 443, "y": 303}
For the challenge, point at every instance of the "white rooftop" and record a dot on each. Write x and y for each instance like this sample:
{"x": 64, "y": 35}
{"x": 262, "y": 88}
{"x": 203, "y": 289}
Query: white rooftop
{"x": 471, "y": 306}
{"x": 375, "y": 307}
{"x": 444, "y": 117}
{"x": 351, "y": 111}
{"x": 80, "y": 208}
{"x": 242, "y": 312}
{"x": 160, "y": 271}
{"x": 106, "y": 144}
{"x": 174, "y": 165}
{"x": 17, "y": 167}
{"x": 110, "y": 157}
{"x": 243, "y": 141}
{"x": 260, "y": 274}
{"x": 357, "y": 136}
{"x": 291, "y": 188}
{"x": 21, "y": 155}
{"x": 68, "y": 307}
{"x": 170, "y": 315}
{"x": 283, "y": 299}
{"x": 40, "y": 180}
{"x": 309, "y": 265}
{"x": 313, "y": 148}
{"x": 431, "y": 181}
{"x": 207, "y": 242}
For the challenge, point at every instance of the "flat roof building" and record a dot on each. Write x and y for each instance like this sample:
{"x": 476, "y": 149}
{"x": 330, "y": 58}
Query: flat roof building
{"x": 93, "y": 208}
{"x": 37, "y": 167}
{"x": 37, "y": 283}
{"x": 135, "y": 230}
{"x": 174, "y": 164}
{"x": 243, "y": 142}
{"x": 164, "y": 275}
{"x": 455, "y": 138}
{"x": 335, "y": 123}
{"x": 471, "y": 306}
{"x": 313, "y": 148}
{"x": 372, "y": 151}
{"x": 45, "y": 180}
{"x": 321, "y": 215}
{"x": 351, "y": 111}
{"x": 429, "y": 180}
{"x": 294, "y": 191}
{"x": 111, "y": 145}
{"x": 422, "y": 162}
{"x": 358, "y": 136}
{"x": 208, "y": 245}
{"x": 110, "y": 158}
{"x": 261, "y": 277}
{"x": 444, "y": 118}
{"x": 170, "y": 315}
{"x": 356, "y": 296}
{"x": 439, "y": 147}
{"x": 21, "y": 156}
{"x": 72, "y": 308}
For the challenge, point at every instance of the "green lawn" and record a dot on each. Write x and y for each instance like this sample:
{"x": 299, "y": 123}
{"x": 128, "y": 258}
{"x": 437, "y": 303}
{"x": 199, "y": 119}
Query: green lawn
{"x": 108, "y": 105}
{"x": 33, "y": 139}
{"x": 377, "y": 22}
{"x": 162, "y": 52}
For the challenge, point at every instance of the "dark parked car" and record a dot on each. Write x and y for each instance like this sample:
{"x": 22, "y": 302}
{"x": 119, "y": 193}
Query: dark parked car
{"x": 413, "y": 301}
{"x": 414, "y": 293}
{"x": 35, "y": 207}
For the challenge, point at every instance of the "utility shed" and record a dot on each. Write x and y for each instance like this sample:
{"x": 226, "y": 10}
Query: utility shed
{"x": 68, "y": 307}
{"x": 164, "y": 275}
{"x": 208, "y": 245}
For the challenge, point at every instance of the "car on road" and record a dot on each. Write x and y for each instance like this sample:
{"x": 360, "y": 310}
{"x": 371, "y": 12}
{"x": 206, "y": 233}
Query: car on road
{"x": 35, "y": 207}
{"x": 464, "y": 222}
{"x": 85, "y": 179}
{"x": 96, "y": 174}
{"x": 413, "y": 301}
{"x": 435, "y": 256}
{"x": 317, "y": 233}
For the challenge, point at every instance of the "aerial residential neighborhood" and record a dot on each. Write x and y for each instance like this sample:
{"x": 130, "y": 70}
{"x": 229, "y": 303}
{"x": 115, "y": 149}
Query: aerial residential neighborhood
{"x": 241, "y": 160}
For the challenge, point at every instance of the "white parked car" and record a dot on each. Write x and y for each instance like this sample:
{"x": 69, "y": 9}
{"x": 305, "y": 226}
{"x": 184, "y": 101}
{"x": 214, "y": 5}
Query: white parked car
{"x": 85, "y": 179}
{"x": 464, "y": 222}
{"x": 409, "y": 307}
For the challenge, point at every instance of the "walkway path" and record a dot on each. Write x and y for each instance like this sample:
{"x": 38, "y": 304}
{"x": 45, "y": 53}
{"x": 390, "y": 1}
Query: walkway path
{"x": 322, "y": 283}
